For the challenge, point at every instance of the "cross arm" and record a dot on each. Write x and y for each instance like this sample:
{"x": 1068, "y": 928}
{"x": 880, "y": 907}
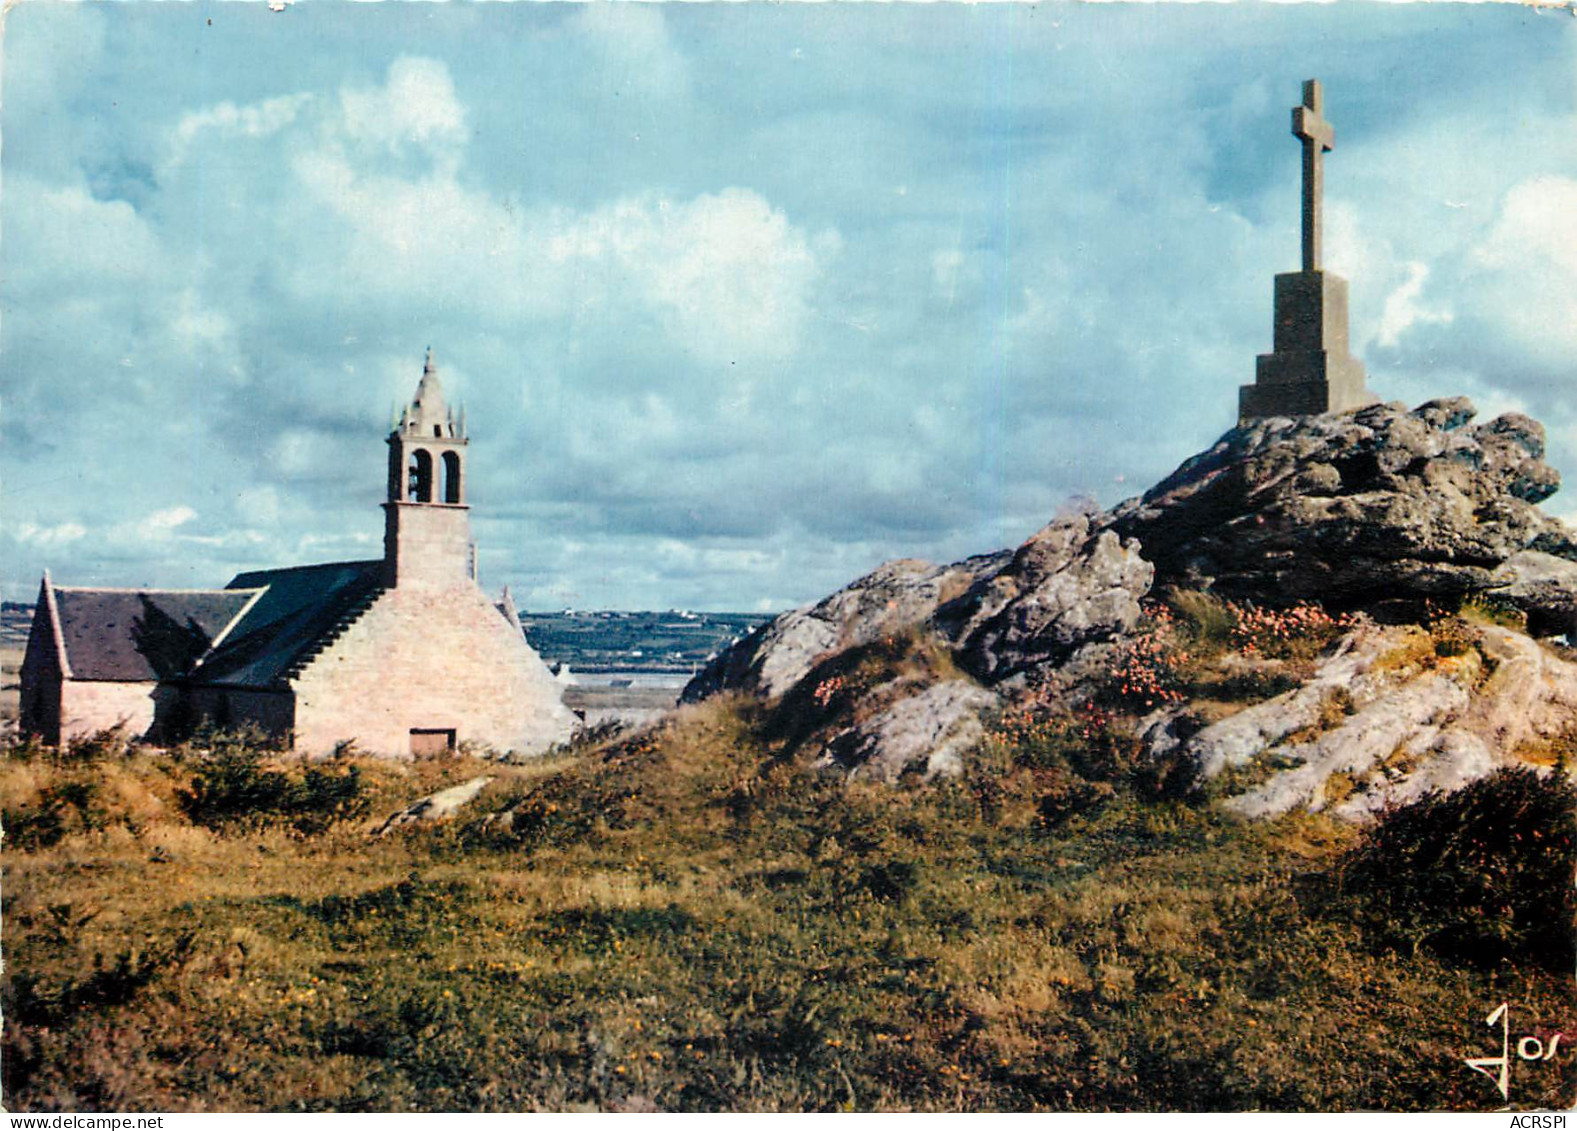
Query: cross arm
{"x": 1307, "y": 125}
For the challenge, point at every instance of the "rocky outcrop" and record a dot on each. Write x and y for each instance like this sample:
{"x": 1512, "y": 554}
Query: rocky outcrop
{"x": 930, "y": 731}
{"x": 1400, "y": 513}
{"x": 1356, "y": 746}
{"x": 1063, "y": 589}
{"x": 1354, "y": 508}
{"x": 894, "y": 597}
{"x": 1004, "y": 613}
{"x": 1541, "y": 585}
{"x": 1383, "y": 721}
{"x": 1345, "y": 677}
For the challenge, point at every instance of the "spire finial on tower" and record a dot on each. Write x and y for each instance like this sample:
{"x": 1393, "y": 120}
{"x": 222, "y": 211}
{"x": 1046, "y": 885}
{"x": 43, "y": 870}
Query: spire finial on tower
{"x": 426, "y": 532}
{"x": 427, "y": 408}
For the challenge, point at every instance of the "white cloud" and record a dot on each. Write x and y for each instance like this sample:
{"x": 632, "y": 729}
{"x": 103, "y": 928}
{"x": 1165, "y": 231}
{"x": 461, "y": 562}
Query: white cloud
{"x": 226, "y": 119}
{"x": 1527, "y": 268}
{"x": 1351, "y": 252}
{"x": 259, "y": 505}
{"x": 641, "y": 58}
{"x": 1404, "y": 310}
{"x": 298, "y": 452}
{"x": 725, "y": 274}
{"x": 1537, "y": 223}
{"x": 63, "y": 238}
{"x": 416, "y": 106}
{"x": 157, "y": 527}
{"x": 164, "y": 521}
{"x": 48, "y": 537}
{"x": 945, "y": 265}
{"x": 729, "y": 271}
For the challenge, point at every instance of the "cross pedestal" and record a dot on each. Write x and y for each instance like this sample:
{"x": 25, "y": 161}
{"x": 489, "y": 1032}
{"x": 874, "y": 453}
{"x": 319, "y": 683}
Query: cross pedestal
{"x": 1311, "y": 370}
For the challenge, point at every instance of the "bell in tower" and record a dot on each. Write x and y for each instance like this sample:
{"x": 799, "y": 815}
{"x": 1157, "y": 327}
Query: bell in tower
{"x": 427, "y": 527}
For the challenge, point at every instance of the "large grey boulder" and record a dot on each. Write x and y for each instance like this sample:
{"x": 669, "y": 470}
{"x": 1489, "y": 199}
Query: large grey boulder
{"x": 891, "y": 598}
{"x": 930, "y": 731}
{"x": 1354, "y": 508}
{"x": 1356, "y": 746}
{"x": 1236, "y": 739}
{"x": 1065, "y": 588}
{"x": 1068, "y": 586}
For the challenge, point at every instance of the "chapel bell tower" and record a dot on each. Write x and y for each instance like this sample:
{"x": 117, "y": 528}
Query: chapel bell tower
{"x": 427, "y": 526}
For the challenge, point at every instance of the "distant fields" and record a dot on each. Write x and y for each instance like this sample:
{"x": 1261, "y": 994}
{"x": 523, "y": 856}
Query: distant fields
{"x": 671, "y": 642}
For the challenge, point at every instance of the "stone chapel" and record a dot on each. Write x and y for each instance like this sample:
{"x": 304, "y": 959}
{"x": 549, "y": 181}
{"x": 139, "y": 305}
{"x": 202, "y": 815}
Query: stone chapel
{"x": 404, "y": 654}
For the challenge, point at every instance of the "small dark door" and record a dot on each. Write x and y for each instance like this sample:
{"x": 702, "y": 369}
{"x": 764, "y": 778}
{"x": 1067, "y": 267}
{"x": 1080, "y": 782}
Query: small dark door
{"x": 431, "y": 743}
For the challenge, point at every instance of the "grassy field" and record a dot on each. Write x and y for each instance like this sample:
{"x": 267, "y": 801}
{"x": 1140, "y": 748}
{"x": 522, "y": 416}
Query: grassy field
{"x": 694, "y": 919}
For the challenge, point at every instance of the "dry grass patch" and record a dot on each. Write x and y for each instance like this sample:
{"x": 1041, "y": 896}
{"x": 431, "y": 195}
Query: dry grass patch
{"x": 687, "y": 920}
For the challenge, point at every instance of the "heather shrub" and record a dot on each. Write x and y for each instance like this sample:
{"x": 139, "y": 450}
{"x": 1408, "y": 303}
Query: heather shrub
{"x": 1148, "y": 669}
{"x": 1483, "y": 875}
{"x": 1297, "y": 632}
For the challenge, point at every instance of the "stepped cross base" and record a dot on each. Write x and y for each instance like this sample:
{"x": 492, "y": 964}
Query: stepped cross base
{"x": 1311, "y": 370}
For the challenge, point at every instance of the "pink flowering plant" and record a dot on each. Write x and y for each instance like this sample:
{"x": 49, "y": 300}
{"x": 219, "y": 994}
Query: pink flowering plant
{"x": 1148, "y": 670}
{"x": 1297, "y": 632}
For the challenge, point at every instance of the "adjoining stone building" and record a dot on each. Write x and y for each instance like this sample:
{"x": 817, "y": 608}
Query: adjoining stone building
{"x": 404, "y": 654}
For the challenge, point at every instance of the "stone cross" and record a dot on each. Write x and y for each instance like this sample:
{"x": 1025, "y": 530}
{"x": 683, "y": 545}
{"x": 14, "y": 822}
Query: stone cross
{"x": 1318, "y": 137}
{"x": 1312, "y": 370}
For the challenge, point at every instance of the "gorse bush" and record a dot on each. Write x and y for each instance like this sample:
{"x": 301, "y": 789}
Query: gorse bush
{"x": 232, "y": 785}
{"x": 86, "y": 749}
{"x": 66, "y": 806}
{"x": 1483, "y": 875}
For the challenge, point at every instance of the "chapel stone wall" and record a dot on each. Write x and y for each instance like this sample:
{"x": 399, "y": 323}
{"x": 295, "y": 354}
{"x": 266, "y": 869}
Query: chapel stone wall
{"x": 87, "y": 706}
{"x": 429, "y": 659}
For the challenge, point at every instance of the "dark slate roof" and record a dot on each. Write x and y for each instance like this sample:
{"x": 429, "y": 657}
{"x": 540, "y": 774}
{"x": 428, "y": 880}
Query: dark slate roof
{"x": 135, "y": 635}
{"x": 300, "y": 607}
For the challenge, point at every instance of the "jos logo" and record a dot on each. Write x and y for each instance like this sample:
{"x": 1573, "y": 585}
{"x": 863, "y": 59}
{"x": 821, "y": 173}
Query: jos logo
{"x": 1498, "y": 1068}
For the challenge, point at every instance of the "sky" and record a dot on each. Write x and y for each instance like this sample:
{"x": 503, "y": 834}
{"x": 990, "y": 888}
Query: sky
{"x": 741, "y": 300}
